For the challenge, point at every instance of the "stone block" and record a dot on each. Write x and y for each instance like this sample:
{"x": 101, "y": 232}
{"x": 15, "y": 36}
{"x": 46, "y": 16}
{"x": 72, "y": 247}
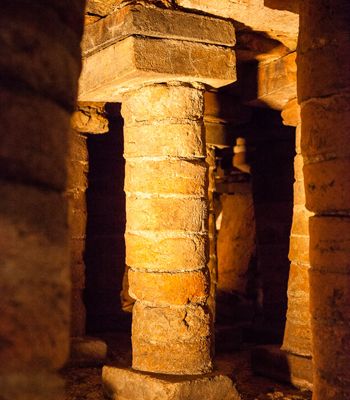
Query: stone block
{"x": 33, "y": 149}
{"x": 298, "y": 284}
{"x": 136, "y": 61}
{"x": 299, "y": 193}
{"x": 77, "y": 175}
{"x": 220, "y": 135}
{"x": 299, "y": 250}
{"x": 301, "y": 216}
{"x": 330, "y": 244}
{"x": 90, "y": 118}
{"x": 160, "y": 253}
{"x": 298, "y": 167}
{"x": 325, "y": 128}
{"x": 174, "y": 357}
{"x": 167, "y": 324}
{"x": 327, "y": 186}
{"x": 121, "y": 383}
{"x": 159, "y": 23}
{"x": 291, "y": 113}
{"x": 297, "y": 337}
{"x": 77, "y": 147}
{"x": 161, "y": 103}
{"x": 163, "y": 289}
{"x": 166, "y": 214}
{"x": 48, "y": 60}
{"x": 283, "y": 366}
{"x": 87, "y": 351}
{"x": 166, "y": 177}
{"x": 165, "y": 140}
{"x": 34, "y": 278}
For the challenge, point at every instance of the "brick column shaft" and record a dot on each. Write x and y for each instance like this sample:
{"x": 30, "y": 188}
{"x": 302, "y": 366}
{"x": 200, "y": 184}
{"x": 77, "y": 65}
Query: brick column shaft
{"x": 324, "y": 96}
{"x": 166, "y": 232}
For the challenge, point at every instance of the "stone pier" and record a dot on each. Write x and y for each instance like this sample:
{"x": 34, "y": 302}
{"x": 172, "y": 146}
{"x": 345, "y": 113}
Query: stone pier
{"x": 160, "y": 78}
{"x": 323, "y": 93}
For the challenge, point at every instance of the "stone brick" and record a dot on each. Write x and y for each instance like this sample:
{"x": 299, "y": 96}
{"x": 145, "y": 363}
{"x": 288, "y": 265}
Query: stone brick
{"x": 156, "y": 22}
{"x": 35, "y": 278}
{"x": 40, "y": 143}
{"x": 174, "y": 357}
{"x": 299, "y": 249}
{"x": 77, "y": 147}
{"x": 334, "y": 304}
{"x": 90, "y": 118}
{"x": 166, "y": 177}
{"x": 77, "y": 175}
{"x": 300, "y": 225}
{"x": 174, "y": 140}
{"x": 166, "y": 214}
{"x": 48, "y": 60}
{"x": 298, "y": 167}
{"x": 136, "y": 61}
{"x": 122, "y": 383}
{"x": 330, "y": 244}
{"x": 327, "y": 186}
{"x": 219, "y": 135}
{"x": 298, "y": 285}
{"x": 169, "y": 289}
{"x": 291, "y": 113}
{"x": 297, "y": 338}
{"x": 320, "y": 117}
{"x": 299, "y": 193}
{"x": 161, "y": 253}
{"x": 167, "y": 324}
{"x": 162, "y": 102}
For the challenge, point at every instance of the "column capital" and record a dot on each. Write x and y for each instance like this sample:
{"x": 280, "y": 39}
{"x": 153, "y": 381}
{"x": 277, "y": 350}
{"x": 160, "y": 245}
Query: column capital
{"x": 138, "y": 45}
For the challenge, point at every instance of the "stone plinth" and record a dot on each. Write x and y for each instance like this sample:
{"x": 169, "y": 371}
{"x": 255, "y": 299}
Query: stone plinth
{"x": 127, "y": 384}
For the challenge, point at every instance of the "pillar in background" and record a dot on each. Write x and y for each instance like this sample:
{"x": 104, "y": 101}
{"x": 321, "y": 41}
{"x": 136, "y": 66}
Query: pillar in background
{"x": 324, "y": 97}
{"x": 160, "y": 83}
{"x": 297, "y": 335}
{"x": 39, "y": 68}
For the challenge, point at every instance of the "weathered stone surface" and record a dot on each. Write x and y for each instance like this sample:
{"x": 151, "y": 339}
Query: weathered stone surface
{"x": 167, "y": 324}
{"x": 136, "y": 61}
{"x": 284, "y": 366}
{"x": 90, "y": 118}
{"x": 156, "y": 23}
{"x": 174, "y": 357}
{"x": 172, "y": 176}
{"x": 300, "y": 225}
{"x": 236, "y": 242}
{"x": 320, "y": 117}
{"x": 158, "y": 252}
{"x": 330, "y": 250}
{"x": 165, "y": 289}
{"x": 327, "y": 185}
{"x": 291, "y": 113}
{"x": 299, "y": 248}
{"x": 298, "y": 285}
{"x": 40, "y": 143}
{"x": 163, "y": 103}
{"x": 281, "y": 25}
{"x": 166, "y": 214}
{"x": 35, "y": 279}
{"x": 165, "y": 140}
{"x": 121, "y": 383}
{"x": 87, "y": 351}
{"x": 101, "y": 7}
{"x": 48, "y": 60}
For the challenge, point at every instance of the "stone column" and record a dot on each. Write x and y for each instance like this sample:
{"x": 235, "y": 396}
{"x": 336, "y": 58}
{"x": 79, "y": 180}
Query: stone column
{"x": 39, "y": 68}
{"x": 323, "y": 93}
{"x": 167, "y": 233}
{"x": 297, "y": 334}
{"x": 160, "y": 84}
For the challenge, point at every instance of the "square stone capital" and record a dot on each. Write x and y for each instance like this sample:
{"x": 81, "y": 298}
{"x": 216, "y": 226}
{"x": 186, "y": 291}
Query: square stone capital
{"x": 140, "y": 45}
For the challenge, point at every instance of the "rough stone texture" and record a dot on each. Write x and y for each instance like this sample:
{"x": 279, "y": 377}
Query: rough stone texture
{"x": 161, "y": 215}
{"x": 39, "y": 68}
{"x": 121, "y": 383}
{"x": 280, "y": 25}
{"x": 90, "y": 118}
{"x": 137, "y": 60}
{"x": 324, "y": 54}
{"x": 236, "y": 242}
{"x": 157, "y": 23}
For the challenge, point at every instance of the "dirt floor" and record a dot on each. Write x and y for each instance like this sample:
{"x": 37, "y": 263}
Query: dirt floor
{"x": 84, "y": 383}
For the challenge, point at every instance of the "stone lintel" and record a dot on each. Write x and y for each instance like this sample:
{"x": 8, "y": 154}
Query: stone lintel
{"x": 157, "y": 23}
{"x": 128, "y": 384}
{"x": 136, "y": 61}
{"x": 272, "y": 362}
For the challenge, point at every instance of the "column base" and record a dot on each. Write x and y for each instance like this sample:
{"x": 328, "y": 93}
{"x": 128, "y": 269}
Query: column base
{"x": 128, "y": 384}
{"x": 272, "y": 362}
{"x": 87, "y": 352}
